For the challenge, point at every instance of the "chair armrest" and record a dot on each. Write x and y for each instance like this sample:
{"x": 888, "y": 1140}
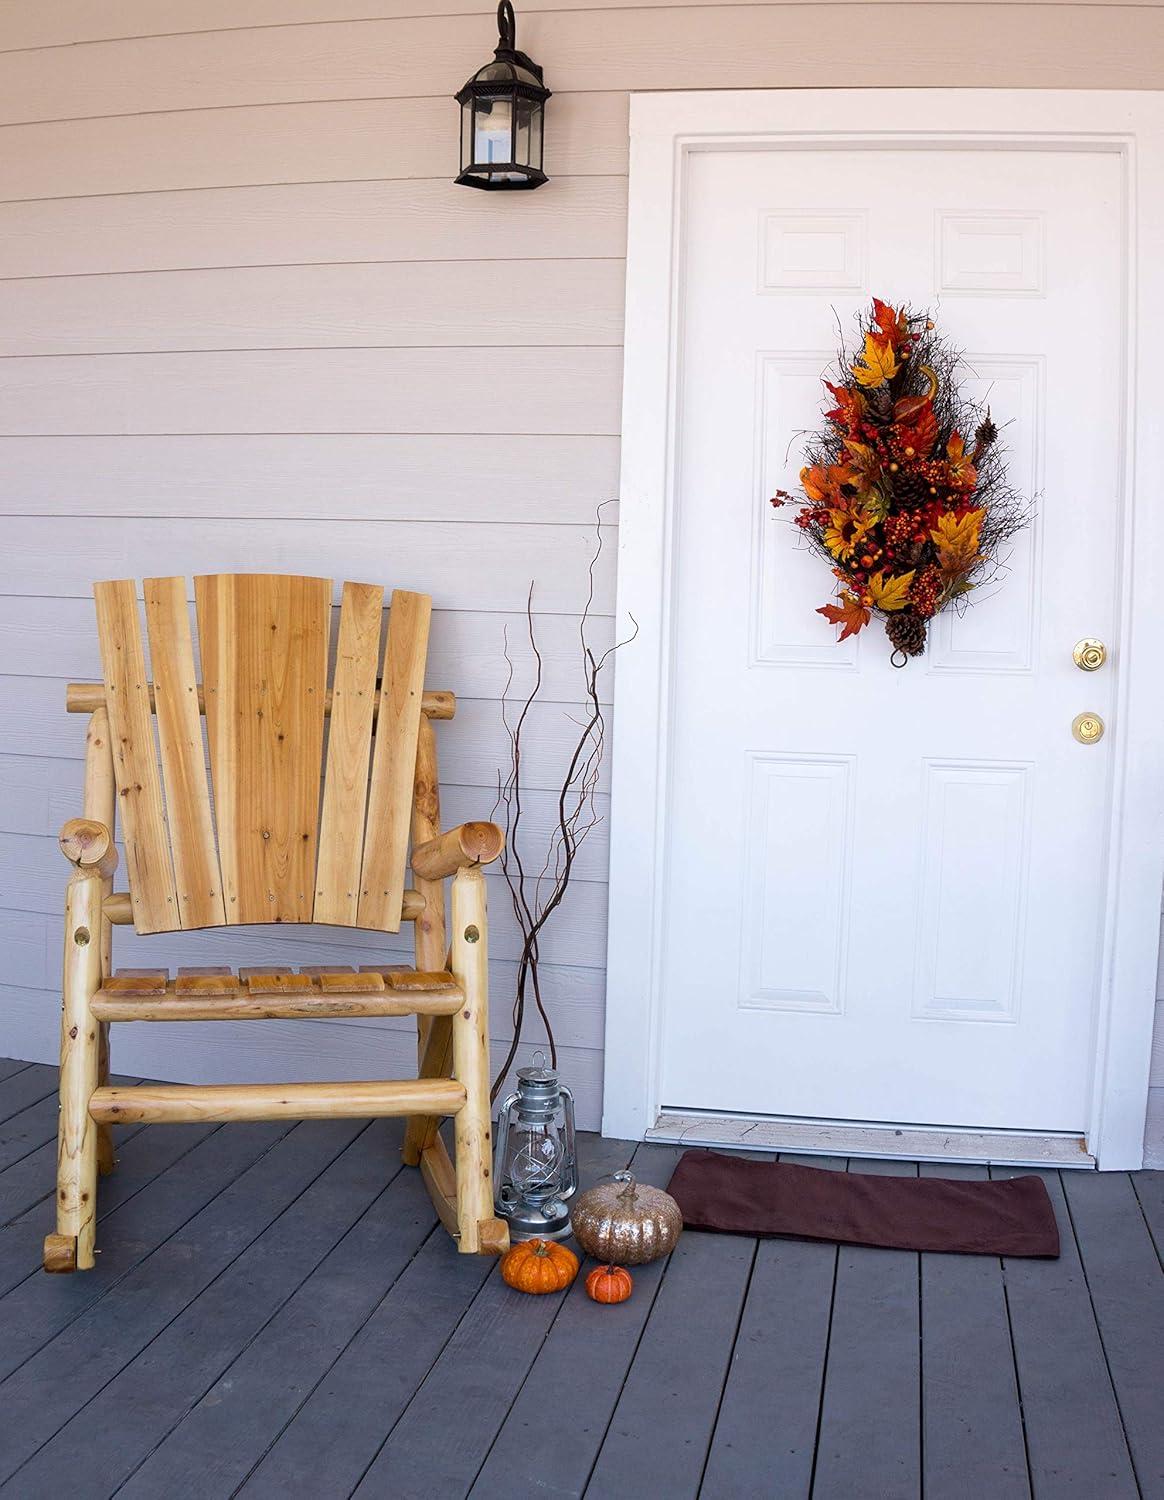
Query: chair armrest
{"x": 470, "y": 844}
{"x": 89, "y": 845}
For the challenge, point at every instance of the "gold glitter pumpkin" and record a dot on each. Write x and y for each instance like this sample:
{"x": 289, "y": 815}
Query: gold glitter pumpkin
{"x": 625, "y": 1222}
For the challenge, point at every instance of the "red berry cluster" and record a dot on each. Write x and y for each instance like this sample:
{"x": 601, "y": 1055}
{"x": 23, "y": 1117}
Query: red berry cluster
{"x": 925, "y": 591}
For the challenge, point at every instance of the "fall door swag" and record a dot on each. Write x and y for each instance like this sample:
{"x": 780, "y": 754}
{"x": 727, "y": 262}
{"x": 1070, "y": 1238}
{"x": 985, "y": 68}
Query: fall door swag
{"x": 907, "y": 491}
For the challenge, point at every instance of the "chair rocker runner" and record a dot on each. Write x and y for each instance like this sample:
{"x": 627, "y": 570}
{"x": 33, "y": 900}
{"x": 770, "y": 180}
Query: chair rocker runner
{"x": 255, "y": 840}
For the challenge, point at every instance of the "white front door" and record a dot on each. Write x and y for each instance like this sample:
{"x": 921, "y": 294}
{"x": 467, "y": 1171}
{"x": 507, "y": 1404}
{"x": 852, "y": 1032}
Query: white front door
{"x": 883, "y": 891}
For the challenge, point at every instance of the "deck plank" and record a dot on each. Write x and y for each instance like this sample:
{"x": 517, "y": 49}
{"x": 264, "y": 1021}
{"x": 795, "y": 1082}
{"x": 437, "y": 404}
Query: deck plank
{"x": 23, "y": 1088}
{"x": 766, "y": 1433}
{"x": 477, "y": 1376}
{"x": 1149, "y": 1187}
{"x": 588, "y": 1351}
{"x": 659, "y": 1435}
{"x": 123, "y": 1424}
{"x": 40, "y": 1307}
{"x": 254, "y": 1397}
{"x": 870, "y": 1429}
{"x": 1075, "y": 1440}
{"x": 336, "y": 1434}
{"x": 972, "y": 1425}
{"x": 1127, "y": 1292}
{"x": 41, "y": 1396}
{"x": 143, "y": 1156}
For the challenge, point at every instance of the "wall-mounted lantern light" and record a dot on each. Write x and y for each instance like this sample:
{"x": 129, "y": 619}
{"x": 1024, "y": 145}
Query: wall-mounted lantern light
{"x": 502, "y": 107}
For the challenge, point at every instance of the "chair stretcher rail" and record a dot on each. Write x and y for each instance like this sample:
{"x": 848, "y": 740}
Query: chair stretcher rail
{"x": 174, "y": 1103}
{"x": 87, "y": 697}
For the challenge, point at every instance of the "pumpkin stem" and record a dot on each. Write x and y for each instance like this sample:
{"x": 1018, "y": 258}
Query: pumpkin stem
{"x": 630, "y": 1187}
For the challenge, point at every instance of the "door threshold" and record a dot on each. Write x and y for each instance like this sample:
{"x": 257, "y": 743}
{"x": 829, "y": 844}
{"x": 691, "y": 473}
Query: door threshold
{"x": 841, "y": 1138}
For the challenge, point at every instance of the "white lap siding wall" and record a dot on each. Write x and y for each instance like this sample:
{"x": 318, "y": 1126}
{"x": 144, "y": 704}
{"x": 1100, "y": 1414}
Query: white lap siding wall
{"x": 246, "y": 320}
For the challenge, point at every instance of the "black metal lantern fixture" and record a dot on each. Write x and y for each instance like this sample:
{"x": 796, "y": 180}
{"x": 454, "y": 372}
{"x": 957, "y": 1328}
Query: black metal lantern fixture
{"x": 502, "y": 108}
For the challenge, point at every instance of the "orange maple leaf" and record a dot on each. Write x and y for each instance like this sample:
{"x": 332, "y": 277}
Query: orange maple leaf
{"x": 850, "y": 612}
{"x": 890, "y": 321}
{"x": 961, "y": 467}
{"x": 822, "y": 482}
{"x": 850, "y": 407}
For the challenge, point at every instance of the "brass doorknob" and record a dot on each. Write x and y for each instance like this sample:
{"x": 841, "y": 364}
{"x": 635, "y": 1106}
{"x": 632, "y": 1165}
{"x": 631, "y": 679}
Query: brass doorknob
{"x": 1087, "y": 728}
{"x": 1089, "y": 655}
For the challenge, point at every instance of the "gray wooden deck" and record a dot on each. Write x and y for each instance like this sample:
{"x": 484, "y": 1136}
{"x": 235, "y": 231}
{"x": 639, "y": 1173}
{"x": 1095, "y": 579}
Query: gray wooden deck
{"x": 275, "y": 1314}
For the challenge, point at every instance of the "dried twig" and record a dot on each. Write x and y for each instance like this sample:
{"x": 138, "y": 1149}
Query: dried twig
{"x": 536, "y": 897}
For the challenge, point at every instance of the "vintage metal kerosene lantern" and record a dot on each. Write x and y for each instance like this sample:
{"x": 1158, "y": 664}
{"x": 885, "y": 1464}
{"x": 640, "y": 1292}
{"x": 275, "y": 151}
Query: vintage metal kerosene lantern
{"x": 535, "y": 1167}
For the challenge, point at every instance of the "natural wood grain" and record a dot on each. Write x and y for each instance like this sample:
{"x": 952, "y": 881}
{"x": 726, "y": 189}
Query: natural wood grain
{"x": 266, "y": 982}
{"x": 264, "y": 670}
{"x": 89, "y": 845}
{"x": 197, "y": 877}
{"x": 469, "y": 844}
{"x": 157, "y": 1102}
{"x": 472, "y": 1128}
{"x": 206, "y": 981}
{"x": 394, "y": 762}
{"x": 137, "y": 982}
{"x": 76, "y": 1196}
{"x": 87, "y": 697}
{"x": 306, "y": 1003}
{"x": 147, "y": 845}
{"x": 349, "y": 748}
{"x": 434, "y": 1037}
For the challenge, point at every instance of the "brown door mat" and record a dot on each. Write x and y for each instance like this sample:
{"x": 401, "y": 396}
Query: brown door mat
{"x": 742, "y": 1196}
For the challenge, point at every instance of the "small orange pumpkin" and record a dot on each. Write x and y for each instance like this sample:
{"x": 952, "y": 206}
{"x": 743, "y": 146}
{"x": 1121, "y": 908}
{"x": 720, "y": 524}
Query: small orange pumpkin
{"x": 539, "y": 1266}
{"x": 609, "y": 1284}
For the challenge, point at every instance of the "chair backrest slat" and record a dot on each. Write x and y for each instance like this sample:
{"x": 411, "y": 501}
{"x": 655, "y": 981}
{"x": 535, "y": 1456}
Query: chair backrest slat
{"x": 349, "y": 748}
{"x": 264, "y": 672}
{"x": 197, "y": 877}
{"x": 394, "y": 762}
{"x": 135, "y": 761}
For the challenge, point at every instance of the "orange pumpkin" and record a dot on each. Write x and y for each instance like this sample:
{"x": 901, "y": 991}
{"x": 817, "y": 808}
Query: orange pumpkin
{"x": 539, "y": 1266}
{"x": 609, "y": 1284}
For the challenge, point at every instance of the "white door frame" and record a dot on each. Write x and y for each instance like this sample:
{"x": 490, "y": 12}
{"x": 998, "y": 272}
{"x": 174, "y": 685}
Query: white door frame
{"x": 665, "y": 130}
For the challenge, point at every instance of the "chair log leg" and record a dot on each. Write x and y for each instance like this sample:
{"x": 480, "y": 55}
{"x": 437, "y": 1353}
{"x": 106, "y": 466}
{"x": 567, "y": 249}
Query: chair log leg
{"x": 480, "y": 1231}
{"x": 106, "y": 1156}
{"x": 72, "y": 1247}
{"x": 434, "y": 1038}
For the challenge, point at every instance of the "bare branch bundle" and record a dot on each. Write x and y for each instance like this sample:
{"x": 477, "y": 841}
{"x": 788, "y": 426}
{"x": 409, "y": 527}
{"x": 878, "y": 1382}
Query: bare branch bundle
{"x": 536, "y": 897}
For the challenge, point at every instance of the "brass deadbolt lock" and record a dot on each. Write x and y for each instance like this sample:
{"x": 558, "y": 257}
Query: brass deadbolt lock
{"x": 1087, "y": 728}
{"x": 1089, "y": 655}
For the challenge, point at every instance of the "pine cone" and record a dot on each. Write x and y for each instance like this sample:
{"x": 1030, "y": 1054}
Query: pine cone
{"x": 910, "y": 489}
{"x": 985, "y": 433}
{"x": 906, "y": 632}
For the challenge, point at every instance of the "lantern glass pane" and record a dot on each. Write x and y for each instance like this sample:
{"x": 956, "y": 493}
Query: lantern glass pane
{"x": 493, "y": 131}
{"x": 522, "y": 140}
{"x": 466, "y": 133}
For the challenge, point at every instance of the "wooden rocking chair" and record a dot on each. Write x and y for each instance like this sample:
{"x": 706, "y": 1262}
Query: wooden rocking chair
{"x": 268, "y": 845}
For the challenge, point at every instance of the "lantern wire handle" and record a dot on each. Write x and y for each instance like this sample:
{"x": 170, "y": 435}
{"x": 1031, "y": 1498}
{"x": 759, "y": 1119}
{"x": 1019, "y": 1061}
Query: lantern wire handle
{"x": 506, "y": 27}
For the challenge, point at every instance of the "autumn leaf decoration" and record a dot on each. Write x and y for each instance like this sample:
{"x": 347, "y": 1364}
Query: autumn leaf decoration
{"x": 908, "y": 510}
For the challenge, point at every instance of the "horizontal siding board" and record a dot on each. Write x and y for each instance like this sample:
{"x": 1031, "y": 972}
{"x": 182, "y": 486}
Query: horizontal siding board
{"x": 315, "y": 390}
{"x": 472, "y": 746}
{"x": 70, "y": 21}
{"x": 329, "y": 141}
{"x": 398, "y": 305}
{"x": 270, "y": 1052}
{"x": 701, "y": 47}
{"x": 53, "y": 637}
{"x": 490, "y": 568}
{"x": 349, "y": 476}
